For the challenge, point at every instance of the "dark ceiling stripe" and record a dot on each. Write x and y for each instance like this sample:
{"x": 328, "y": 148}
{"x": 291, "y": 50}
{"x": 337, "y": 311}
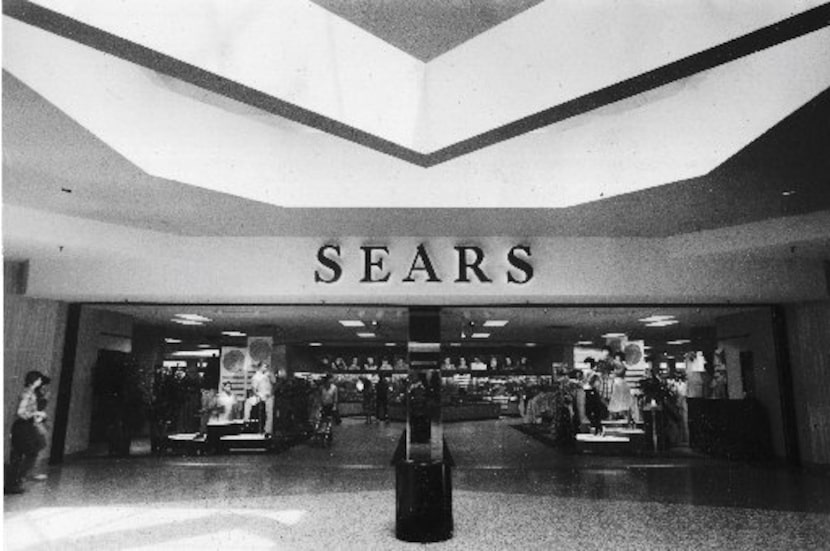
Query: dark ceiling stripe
{"x": 56, "y": 23}
{"x": 755, "y": 41}
{"x": 109, "y": 43}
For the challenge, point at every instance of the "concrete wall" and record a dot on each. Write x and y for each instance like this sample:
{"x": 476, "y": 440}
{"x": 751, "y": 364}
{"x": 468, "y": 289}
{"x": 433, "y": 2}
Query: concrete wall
{"x": 752, "y": 331}
{"x": 808, "y": 326}
{"x": 33, "y": 339}
{"x": 97, "y": 330}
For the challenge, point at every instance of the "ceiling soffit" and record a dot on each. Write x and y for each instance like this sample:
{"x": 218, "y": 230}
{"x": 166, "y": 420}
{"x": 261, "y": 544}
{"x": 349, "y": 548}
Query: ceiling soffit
{"x": 544, "y": 65}
{"x": 633, "y": 144}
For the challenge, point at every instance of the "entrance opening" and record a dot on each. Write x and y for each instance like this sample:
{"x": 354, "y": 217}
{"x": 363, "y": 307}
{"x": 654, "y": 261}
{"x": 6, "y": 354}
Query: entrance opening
{"x": 699, "y": 378}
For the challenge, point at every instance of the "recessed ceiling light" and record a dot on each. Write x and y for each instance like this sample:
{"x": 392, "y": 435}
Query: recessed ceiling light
{"x": 652, "y": 319}
{"x": 679, "y": 341}
{"x": 352, "y": 323}
{"x": 366, "y": 335}
{"x": 195, "y": 353}
{"x": 613, "y": 335}
{"x": 186, "y": 322}
{"x": 193, "y": 317}
{"x": 170, "y": 340}
{"x": 788, "y": 193}
{"x": 495, "y": 323}
{"x": 391, "y": 344}
{"x": 480, "y": 335}
{"x": 234, "y": 334}
{"x": 206, "y": 346}
{"x": 530, "y": 344}
{"x": 662, "y": 323}
{"x": 455, "y": 344}
{"x": 315, "y": 344}
{"x": 584, "y": 343}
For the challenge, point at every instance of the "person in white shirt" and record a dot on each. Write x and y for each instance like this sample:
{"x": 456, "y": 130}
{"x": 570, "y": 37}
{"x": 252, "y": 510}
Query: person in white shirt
{"x": 262, "y": 385}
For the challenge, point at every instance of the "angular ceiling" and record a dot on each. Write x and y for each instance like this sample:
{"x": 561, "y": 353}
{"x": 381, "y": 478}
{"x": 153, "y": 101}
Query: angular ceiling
{"x": 288, "y": 104}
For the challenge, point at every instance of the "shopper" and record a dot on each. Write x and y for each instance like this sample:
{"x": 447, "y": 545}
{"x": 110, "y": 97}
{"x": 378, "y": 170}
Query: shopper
{"x": 328, "y": 397}
{"x": 595, "y": 409}
{"x": 367, "y": 393}
{"x": 27, "y": 439}
{"x": 382, "y": 399}
{"x": 42, "y": 394}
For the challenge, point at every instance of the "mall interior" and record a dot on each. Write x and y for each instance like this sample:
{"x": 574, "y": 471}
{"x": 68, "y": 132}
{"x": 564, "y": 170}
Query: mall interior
{"x": 268, "y": 253}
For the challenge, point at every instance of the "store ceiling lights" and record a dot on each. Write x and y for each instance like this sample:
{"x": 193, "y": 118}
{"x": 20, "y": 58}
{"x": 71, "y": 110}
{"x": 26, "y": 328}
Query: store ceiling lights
{"x": 613, "y": 335}
{"x": 170, "y": 340}
{"x": 234, "y": 334}
{"x": 366, "y": 335}
{"x": 656, "y": 318}
{"x": 584, "y": 343}
{"x": 679, "y": 341}
{"x": 194, "y": 317}
{"x": 391, "y": 344}
{"x": 495, "y": 323}
{"x": 530, "y": 344}
{"x": 663, "y": 323}
{"x": 186, "y": 322}
{"x": 352, "y": 323}
{"x": 315, "y": 344}
{"x": 196, "y": 354}
{"x": 480, "y": 335}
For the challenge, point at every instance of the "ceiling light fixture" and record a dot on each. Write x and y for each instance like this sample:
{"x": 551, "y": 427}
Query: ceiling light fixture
{"x": 366, "y": 335}
{"x": 664, "y": 323}
{"x": 613, "y": 335}
{"x": 186, "y": 322}
{"x": 480, "y": 335}
{"x": 352, "y": 323}
{"x": 196, "y": 354}
{"x": 455, "y": 344}
{"x": 584, "y": 343}
{"x": 315, "y": 344}
{"x": 652, "y": 319}
{"x": 234, "y": 334}
{"x": 788, "y": 193}
{"x": 495, "y": 323}
{"x": 194, "y": 317}
{"x": 679, "y": 341}
{"x": 391, "y": 344}
{"x": 530, "y": 344}
{"x": 170, "y": 340}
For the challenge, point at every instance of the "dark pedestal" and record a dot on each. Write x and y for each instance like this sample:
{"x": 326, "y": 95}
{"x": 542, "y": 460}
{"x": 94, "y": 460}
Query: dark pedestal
{"x": 423, "y": 511}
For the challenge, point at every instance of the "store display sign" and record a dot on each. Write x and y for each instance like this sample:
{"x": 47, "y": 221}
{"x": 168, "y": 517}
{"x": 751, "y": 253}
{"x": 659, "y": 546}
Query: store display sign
{"x": 468, "y": 265}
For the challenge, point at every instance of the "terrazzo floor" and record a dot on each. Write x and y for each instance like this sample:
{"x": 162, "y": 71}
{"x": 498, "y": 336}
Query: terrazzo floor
{"x": 509, "y": 492}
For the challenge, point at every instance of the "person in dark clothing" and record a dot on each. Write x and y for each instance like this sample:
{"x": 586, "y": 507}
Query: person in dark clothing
{"x": 595, "y": 408}
{"x": 382, "y": 399}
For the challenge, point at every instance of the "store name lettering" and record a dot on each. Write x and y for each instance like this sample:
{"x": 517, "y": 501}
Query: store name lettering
{"x": 469, "y": 265}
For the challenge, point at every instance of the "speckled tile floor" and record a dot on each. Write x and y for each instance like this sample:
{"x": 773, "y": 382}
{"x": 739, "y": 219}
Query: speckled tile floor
{"x": 509, "y": 492}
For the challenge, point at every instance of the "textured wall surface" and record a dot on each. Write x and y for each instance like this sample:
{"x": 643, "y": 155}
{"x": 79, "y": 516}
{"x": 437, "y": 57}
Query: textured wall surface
{"x": 808, "y": 326}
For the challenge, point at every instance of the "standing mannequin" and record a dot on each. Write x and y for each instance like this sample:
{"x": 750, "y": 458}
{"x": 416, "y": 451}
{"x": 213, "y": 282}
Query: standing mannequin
{"x": 262, "y": 385}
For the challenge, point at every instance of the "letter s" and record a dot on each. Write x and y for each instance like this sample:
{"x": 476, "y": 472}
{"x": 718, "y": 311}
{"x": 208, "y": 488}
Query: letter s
{"x": 332, "y": 264}
{"x": 519, "y": 263}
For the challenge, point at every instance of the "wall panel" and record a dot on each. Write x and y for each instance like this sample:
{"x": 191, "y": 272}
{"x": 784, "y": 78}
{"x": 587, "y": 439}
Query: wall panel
{"x": 808, "y": 326}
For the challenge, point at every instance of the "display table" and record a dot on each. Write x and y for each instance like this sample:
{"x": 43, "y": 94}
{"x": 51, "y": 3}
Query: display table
{"x": 735, "y": 429}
